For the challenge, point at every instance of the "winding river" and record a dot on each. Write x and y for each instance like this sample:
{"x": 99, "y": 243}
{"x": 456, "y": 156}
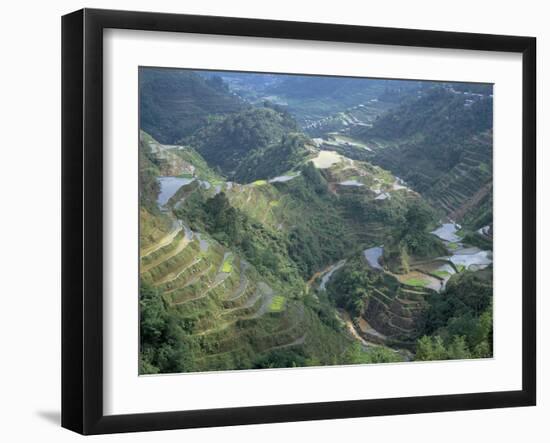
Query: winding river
{"x": 327, "y": 276}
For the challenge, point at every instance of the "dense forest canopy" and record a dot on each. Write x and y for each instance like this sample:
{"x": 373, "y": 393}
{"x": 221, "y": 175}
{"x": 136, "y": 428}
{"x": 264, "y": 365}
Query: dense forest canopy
{"x": 173, "y": 103}
{"x": 237, "y": 144}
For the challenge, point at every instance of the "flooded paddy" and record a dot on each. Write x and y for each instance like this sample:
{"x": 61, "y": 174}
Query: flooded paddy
{"x": 283, "y": 178}
{"x": 372, "y": 255}
{"x": 470, "y": 258}
{"x": 351, "y": 183}
{"x": 169, "y": 186}
{"x": 473, "y": 259}
{"x": 440, "y": 268}
{"x": 447, "y": 232}
{"x": 203, "y": 243}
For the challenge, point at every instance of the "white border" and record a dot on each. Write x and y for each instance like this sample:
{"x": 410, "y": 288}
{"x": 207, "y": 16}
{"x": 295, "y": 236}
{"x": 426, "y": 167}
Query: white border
{"x": 125, "y": 392}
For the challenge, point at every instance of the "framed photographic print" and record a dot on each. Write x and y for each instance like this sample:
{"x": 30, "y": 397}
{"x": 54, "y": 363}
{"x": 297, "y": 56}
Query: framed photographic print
{"x": 270, "y": 221}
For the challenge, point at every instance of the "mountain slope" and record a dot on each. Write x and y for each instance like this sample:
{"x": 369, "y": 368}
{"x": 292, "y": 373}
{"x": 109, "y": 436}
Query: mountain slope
{"x": 441, "y": 144}
{"x": 224, "y": 269}
{"x": 255, "y": 143}
{"x": 244, "y": 219}
{"x": 175, "y": 103}
{"x": 313, "y": 99}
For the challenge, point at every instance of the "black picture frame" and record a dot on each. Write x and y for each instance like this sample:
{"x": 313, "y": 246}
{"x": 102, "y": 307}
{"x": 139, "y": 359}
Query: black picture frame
{"x": 82, "y": 218}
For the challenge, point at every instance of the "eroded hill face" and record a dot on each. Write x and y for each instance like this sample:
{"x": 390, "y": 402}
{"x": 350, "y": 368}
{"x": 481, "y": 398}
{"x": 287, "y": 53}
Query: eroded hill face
{"x": 262, "y": 247}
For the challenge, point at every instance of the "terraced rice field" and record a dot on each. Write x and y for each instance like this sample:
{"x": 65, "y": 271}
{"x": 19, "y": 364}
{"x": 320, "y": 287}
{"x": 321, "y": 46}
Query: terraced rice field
{"x": 227, "y": 266}
{"x": 417, "y": 282}
{"x": 326, "y": 159}
{"x": 277, "y": 304}
{"x": 231, "y": 308}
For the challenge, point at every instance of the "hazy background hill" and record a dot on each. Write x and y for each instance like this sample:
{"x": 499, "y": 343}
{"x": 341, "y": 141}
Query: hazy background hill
{"x": 174, "y": 102}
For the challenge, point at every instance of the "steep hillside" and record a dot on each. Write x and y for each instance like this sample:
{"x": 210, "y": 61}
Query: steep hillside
{"x": 225, "y": 267}
{"x": 311, "y": 99}
{"x": 441, "y": 144}
{"x": 205, "y": 308}
{"x": 449, "y": 323}
{"x": 252, "y": 144}
{"x": 468, "y": 183}
{"x": 261, "y": 247}
{"x": 174, "y": 103}
{"x": 384, "y": 309}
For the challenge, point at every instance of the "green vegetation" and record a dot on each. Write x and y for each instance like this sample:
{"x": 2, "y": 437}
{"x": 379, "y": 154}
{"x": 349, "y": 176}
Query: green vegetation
{"x": 289, "y": 152}
{"x": 148, "y": 171}
{"x": 164, "y": 344}
{"x": 375, "y": 354}
{"x": 239, "y": 271}
{"x": 246, "y": 145}
{"x": 458, "y": 324}
{"x": 442, "y": 274}
{"x": 440, "y": 145}
{"x": 411, "y": 237}
{"x": 416, "y": 282}
{"x": 475, "y": 239}
{"x": 227, "y": 266}
{"x": 277, "y": 304}
{"x": 311, "y": 98}
{"x": 174, "y": 103}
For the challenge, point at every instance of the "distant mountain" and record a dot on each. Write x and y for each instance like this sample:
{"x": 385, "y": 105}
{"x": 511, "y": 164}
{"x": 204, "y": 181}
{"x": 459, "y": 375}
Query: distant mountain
{"x": 175, "y": 103}
{"x": 312, "y": 98}
{"x": 438, "y": 116}
{"x": 241, "y": 81}
{"x": 341, "y": 88}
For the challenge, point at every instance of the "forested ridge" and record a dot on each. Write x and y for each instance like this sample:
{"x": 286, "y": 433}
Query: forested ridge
{"x": 174, "y": 103}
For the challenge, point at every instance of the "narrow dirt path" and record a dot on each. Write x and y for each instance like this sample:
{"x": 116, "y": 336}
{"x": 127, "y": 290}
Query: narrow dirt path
{"x": 267, "y": 294}
{"x": 190, "y": 281}
{"x": 165, "y": 241}
{"x": 173, "y": 276}
{"x": 205, "y": 292}
{"x": 243, "y": 284}
{"x": 297, "y": 342}
{"x": 181, "y": 246}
